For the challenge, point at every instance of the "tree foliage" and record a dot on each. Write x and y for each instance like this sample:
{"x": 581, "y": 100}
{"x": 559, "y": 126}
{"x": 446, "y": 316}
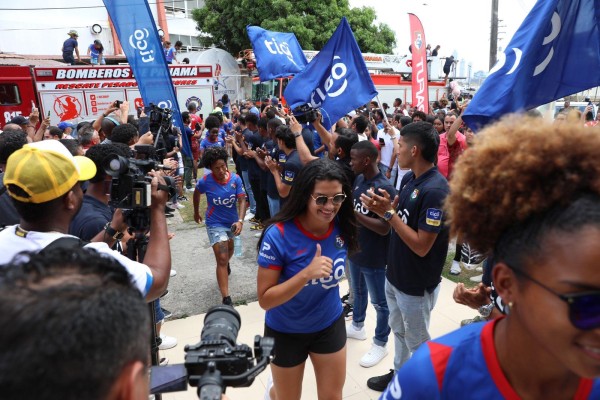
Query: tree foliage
{"x": 222, "y": 23}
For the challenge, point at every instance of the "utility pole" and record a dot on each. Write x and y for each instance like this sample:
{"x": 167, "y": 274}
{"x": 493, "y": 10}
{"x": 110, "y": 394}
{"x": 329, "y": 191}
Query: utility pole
{"x": 494, "y": 34}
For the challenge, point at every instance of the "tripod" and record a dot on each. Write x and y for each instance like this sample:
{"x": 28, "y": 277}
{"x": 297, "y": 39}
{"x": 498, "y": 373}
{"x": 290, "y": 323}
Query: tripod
{"x": 136, "y": 250}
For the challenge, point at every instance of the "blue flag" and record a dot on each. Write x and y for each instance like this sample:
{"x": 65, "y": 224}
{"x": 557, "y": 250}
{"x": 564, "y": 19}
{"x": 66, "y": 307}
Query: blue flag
{"x": 277, "y": 54}
{"x": 554, "y": 53}
{"x": 336, "y": 81}
{"x": 139, "y": 38}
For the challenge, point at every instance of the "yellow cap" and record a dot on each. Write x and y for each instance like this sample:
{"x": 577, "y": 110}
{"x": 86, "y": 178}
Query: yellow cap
{"x": 45, "y": 171}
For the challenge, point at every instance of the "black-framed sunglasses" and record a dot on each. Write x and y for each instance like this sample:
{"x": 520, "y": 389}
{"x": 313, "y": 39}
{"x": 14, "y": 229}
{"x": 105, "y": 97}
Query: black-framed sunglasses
{"x": 336, "y": 199}
{"x": 584, "y": 308}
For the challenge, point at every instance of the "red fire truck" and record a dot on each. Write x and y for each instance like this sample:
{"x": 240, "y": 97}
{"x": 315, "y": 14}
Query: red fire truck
{"x": 76, "y": 93}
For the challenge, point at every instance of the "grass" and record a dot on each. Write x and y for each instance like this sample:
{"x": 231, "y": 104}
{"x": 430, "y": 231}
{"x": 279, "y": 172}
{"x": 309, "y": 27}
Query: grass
{"x": 464, "y": 276}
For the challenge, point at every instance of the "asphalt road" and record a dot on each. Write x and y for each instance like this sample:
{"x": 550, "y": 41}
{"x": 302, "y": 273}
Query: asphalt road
{"x": 194, "y": 289}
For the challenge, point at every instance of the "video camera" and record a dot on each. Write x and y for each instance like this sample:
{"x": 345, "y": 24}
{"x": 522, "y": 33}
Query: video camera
{"x": 131, "y": 186}
{"x": 305, "y": 113}
{"x": 216, "y": 361}
{"x": 160, "y": 119}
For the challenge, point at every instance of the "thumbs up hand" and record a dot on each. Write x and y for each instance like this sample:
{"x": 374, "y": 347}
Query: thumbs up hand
{"x": 319, "y": 267}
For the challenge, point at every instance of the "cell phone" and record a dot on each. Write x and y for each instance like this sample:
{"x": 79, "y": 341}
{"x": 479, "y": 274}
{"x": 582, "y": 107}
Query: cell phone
{"x": 32, "y": 105}
{"x": 48, "y": 113}
{"x": 118, "y": 103}
{"x": 381, "y": 142}
{"x": 197, "y": 126}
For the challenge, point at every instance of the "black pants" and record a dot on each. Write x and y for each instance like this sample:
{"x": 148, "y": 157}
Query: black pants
{"x": 262, "y": 205}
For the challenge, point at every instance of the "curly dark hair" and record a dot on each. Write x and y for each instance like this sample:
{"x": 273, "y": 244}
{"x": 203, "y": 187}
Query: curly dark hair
{"x": 11, "y": 140}
{"x": 213, "y": 154}
{"x": 522, "y": 179}
{"x": 99, "y": 152}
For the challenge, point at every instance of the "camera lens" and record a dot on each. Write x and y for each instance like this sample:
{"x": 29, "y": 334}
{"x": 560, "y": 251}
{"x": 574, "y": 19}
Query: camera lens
{"x": 221, "y": 322}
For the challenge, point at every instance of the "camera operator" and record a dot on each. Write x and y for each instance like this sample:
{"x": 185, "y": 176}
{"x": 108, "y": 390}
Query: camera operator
{"x": 87, "y": 296}
{"x": 104, "y": 124}
{"x": 43, "y": 179}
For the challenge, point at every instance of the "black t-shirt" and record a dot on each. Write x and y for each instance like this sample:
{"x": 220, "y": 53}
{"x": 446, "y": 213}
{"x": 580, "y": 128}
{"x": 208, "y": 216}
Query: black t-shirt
{"x": 373, "y": 246}
{"x": 242, "y": 160}
{"x": 274, "y": 152}
{"x": 8, "y": 212}
{"x": 290, "y": 171}
{"x": 420, "y": 207}
{"x": 345, "y": 164}
{"x": 91, "y": 218}
{"x": 254, "y": 141}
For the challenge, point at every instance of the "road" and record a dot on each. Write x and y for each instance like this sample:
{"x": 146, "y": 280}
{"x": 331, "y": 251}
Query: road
{"x": 194, "y": 289}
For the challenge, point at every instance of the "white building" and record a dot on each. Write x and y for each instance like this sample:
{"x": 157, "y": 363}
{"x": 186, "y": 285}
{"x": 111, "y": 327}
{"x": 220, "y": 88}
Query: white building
{"x": 39, "y": 27}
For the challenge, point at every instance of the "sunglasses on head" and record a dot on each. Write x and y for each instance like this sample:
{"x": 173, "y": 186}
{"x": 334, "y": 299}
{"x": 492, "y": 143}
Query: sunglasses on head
{"x": 336, "y": 199}
{"x": 584, "y": 308}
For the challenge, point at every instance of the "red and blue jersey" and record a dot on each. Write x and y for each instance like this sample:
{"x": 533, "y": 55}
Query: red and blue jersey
{"x": 221, "y": 199}
{"x": 462, "y": 365}
{"x": 289, "y": 248}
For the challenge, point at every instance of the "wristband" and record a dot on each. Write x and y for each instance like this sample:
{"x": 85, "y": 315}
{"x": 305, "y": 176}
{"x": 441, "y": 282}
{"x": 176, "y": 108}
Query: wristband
{"x": 241, "y": 221}
{"x": 113, "y": 233}
{"x": 297, "y": 135}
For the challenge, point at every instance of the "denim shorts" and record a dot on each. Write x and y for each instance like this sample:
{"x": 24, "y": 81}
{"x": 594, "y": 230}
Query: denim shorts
{"x": 218, "y": 234}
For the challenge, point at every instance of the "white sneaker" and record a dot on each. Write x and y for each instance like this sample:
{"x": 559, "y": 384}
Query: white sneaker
{"x": 455, "y": 268}
{"x": 373, "y": 356}
{"x": 189, "y": 190}
{"x": 353, "y": 332}
{"x": 173, "y": 272}
{"x": 248, "y": 216}
{"x": 178, "y": 205}
{"x": 476, "y": 278}
{"x": 269, "y": 386}
{"x": 168, "y": 342}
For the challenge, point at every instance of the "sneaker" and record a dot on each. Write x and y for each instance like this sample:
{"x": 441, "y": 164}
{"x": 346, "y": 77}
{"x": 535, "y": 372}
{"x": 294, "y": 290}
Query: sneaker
{"x": 455, "y": 268}
{"x": 178, "y": 205}
{"x": 380, "y": 383}
{"x": 476, "y": 278}
{"x": 254, "y": 220}
{"x": 168, "y": 209}
{"x": 248, "y": 216}
{"x": 190, "y": 190}
{"x": 353, "y": 332}
{"x": 168, "y": 342}
{"x": 182, "y": 198}
{"x": 348, "y": 312}
{"x": 228, "y": 269}
{"x": 168, "y": 314}
{"x": 163, "y": 361}
{"x": 257, "y": 235}
{"x": 227, "y": 301}
{"x": 373, "y": 356}
{"x": 257, "y": 227}
{"x": 169, "y": 215}
{"x": 172, "y": 273}
{"x": 269, "y": 386}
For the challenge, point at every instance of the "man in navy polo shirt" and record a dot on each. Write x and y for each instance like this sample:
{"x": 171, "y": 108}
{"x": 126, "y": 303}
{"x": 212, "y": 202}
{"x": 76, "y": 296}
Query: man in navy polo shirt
{"x": 367, "y": 267}
{"x": 418, "y": 243}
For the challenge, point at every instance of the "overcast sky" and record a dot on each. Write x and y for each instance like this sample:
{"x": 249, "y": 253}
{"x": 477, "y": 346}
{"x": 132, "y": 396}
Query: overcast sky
{"x": 459, "y": 25}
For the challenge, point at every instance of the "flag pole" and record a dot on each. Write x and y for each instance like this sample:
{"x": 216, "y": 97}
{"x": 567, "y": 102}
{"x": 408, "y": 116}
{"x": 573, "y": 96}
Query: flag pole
{"x": 382, "y": 110}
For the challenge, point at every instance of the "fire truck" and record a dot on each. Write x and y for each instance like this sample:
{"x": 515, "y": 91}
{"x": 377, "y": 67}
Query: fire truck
{"x": 76, "y": 93}
{"x": 391, "y": 75}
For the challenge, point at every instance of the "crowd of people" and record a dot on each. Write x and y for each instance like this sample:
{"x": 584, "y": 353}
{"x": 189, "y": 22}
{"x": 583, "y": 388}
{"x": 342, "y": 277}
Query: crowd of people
{"x": 378, "y": 198}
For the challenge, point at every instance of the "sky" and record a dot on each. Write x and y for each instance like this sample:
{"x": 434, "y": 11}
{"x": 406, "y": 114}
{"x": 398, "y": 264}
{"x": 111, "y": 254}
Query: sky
{"x": 460, "y": 25}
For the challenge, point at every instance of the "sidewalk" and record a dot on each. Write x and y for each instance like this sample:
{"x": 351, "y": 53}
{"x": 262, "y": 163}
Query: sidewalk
{"x": 446, "y": 317}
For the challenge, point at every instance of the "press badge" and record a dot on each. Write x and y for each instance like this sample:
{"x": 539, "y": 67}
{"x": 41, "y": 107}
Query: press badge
{"x": 433, "y": 217}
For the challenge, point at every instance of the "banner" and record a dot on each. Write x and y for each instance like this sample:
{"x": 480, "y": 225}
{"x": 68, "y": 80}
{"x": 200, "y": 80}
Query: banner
{"x": 420, "y": 89}
{"x": 554, "y": 53}
{"x": 139, "y": 38}
{"x": 336, "y": 81}
{"x": 277, "y": 54}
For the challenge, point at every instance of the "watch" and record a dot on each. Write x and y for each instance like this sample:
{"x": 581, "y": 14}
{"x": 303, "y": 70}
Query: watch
{"x": 389, "y": 214}
{"x": 113, "y": 233}
{"x": 486, "y": 310}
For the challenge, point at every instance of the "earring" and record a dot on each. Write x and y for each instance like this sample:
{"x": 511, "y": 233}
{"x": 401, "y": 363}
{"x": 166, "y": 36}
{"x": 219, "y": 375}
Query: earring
{"x": 510, "y": 304}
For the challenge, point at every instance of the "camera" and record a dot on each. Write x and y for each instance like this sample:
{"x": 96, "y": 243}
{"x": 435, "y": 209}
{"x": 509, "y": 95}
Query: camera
{"x": 216, "y": 362}
{"x": 131, "y": 186}
{"x": 305, "y": 113}
{"x": 160, "y": 119}
{"x": 118, "y": 103}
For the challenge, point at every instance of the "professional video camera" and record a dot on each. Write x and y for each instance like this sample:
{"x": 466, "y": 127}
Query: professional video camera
{"x": 305, "y": 113}
{"x": 130, "y": 186}
{"x": 216, "y": 361}
{"x": 160, "y": 119}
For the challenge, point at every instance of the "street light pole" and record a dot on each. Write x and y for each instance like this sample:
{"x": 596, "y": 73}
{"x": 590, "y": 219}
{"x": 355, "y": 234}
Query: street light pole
{"x": 494, "y": 34}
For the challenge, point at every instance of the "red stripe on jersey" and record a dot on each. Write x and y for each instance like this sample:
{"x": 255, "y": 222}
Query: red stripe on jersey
{"x": 211, "y": 210}
{"x": 310, "y": 235}
{"x": 271, "y": 266}
{"x": 279, "y": 226}
{"x": 440, "y": 354}
{"x": 584, "y": 389}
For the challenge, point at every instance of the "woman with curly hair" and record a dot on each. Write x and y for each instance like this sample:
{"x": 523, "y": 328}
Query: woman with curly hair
{"x": 527, "y": 195}
{"x": 224, "y": 190}
{"x": 301, "y": 258}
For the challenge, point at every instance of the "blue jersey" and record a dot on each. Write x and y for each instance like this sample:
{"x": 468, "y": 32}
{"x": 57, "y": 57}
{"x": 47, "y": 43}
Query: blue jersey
{"x": 462, "y": 365}
{"x": 205, "y": 143}
{"x": 221, "y": 199}
{"x": 289, "y": 248}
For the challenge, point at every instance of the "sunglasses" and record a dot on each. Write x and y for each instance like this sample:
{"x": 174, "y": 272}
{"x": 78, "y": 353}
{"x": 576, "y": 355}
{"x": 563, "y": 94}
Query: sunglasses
{"x": 336, "y": 200}
{"x": 584, "y": 308}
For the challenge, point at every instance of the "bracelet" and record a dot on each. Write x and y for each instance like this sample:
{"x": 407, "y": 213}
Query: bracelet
{"x": 297, "y": 135}
{"x": 241, "y": 221}
{"x": 104, "y": 115}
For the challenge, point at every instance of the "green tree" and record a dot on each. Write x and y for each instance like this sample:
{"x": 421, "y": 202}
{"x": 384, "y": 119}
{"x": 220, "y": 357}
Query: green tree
{"x": 222, "y": 23}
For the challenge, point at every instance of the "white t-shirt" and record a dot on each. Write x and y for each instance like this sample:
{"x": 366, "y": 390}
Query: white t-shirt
{"x": 387, "y": 150}
{"x": 11, "y": 245}
{"x": 362, "y": 136}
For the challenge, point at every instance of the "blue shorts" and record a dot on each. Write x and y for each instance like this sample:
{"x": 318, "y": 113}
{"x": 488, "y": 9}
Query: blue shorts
{"x": 218, "y": 234}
